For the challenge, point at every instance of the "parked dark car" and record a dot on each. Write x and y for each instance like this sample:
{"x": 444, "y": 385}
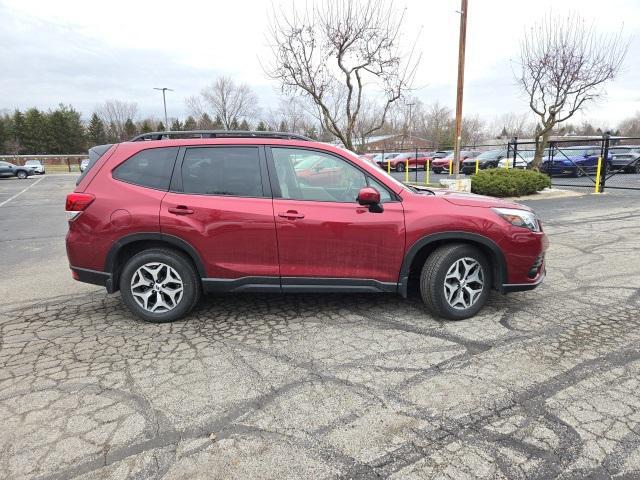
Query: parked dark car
{"x": 167, "y": 219}
{"x": 572, "y": 161}
{"x": 625, "y": 158}
{"x": 488, "y": 159}
{"x": 10, "y": 170}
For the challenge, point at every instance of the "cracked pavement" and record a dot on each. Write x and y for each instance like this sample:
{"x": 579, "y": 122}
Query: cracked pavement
{"x": 542, "y": 384}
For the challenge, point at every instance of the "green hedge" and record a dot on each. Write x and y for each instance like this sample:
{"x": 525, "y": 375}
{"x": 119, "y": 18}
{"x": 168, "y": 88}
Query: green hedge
{"x": 500, "y": 182}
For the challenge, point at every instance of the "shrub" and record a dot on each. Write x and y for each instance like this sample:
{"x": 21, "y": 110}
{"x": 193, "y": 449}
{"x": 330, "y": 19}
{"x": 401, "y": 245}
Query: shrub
{"x": 500, "y": 182}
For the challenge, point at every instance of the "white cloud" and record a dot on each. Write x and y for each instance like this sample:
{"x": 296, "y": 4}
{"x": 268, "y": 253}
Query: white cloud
{"x": 83, "y": 52}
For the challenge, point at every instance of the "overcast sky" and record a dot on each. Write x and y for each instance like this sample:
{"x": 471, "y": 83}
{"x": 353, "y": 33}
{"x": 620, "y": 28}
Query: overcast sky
{"x": 83, "y": 52}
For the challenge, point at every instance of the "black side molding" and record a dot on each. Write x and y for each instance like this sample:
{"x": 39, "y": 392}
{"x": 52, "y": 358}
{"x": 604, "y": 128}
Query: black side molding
{"x": 297, "y": 285}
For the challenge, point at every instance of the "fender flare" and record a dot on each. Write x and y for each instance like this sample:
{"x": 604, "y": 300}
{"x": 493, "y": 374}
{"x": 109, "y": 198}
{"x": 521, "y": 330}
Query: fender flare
{"x": 498, "y": 260}
{"x": 109, "y": 264}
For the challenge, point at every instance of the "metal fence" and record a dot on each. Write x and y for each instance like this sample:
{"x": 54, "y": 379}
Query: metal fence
{"x": 596, "y": 163}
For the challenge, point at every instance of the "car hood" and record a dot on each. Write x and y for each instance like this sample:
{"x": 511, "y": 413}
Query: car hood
{"x": 473, "y": 200}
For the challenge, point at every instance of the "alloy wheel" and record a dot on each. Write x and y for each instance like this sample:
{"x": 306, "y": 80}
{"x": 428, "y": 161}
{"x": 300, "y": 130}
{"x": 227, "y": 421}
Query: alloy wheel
{"x": 156, "y": 287}
{"x": 463, "y": 283}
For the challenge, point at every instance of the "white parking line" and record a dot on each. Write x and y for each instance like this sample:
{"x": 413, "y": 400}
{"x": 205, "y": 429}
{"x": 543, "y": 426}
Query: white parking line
{"x": 21, "y": 192}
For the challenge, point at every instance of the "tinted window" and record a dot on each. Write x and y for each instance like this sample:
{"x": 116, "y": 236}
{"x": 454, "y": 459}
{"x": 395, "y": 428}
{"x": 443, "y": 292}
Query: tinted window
{"x": 313, "y": 175}
{"x": 222, "y": 171}
{"x": 150, "y": 168}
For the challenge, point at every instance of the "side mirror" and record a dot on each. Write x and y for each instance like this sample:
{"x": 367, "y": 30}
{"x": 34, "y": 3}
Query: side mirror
{"x": 370, "y": 197}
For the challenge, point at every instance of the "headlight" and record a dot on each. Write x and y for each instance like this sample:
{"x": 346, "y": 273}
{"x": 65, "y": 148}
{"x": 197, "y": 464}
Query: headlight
{"x": 519, "y": 218}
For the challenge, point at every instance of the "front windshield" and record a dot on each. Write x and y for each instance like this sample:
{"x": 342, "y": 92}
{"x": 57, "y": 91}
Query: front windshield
{"x": 32, "y": 162}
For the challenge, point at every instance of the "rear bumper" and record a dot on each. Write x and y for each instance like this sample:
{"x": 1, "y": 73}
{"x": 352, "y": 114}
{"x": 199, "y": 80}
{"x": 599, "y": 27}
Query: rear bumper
{"x": 93, "y": 277}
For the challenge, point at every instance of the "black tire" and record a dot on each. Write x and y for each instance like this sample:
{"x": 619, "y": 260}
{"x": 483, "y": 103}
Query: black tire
{"x": 21, "y": 174}
{"x": 432, "y": 280}
{"x": 400, "y": 167}
{"x": 437, "y": 170}
{"x": 185, "y": 269}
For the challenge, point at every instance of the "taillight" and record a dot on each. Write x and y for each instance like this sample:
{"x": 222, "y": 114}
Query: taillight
{"x": 77, "y": 202}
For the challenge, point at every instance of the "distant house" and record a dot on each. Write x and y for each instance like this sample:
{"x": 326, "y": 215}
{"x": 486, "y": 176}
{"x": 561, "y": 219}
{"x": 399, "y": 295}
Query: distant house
{"x": 392, "y": 142}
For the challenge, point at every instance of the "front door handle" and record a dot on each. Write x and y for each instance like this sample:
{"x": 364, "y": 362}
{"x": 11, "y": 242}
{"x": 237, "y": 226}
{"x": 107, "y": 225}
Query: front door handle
{"x": 180, "y": 210}
{"x": 291, "y": 214}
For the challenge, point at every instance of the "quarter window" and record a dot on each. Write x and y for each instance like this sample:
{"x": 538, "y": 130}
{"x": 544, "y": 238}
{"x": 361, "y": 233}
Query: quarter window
{"x": 149, "y": 168}
{"x": 222, "y": 171}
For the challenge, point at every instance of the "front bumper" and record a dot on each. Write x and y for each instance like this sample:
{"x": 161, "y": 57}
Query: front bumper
{"x": 523, "y": 287}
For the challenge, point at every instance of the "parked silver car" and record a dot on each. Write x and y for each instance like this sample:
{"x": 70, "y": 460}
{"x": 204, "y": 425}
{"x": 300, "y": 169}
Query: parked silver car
{"x": 36, "y": 166}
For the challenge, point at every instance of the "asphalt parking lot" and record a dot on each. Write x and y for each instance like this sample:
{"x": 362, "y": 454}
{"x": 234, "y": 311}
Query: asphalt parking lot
{"x": 540, "y": 385}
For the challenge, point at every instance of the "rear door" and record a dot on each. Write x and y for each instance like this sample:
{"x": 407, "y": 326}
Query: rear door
{"x": 5, "y": 169}
{"x": 220, "y": 204}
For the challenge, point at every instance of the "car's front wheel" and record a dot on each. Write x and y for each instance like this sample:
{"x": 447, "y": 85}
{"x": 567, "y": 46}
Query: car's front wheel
{"x": 159, "y": 285}
{"x": 455, "y": 281}
{"x": 21, "y": 174}
{"x": 400, "y": 167}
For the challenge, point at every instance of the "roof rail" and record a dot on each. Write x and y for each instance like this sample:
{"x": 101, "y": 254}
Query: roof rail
{"x": 217, "y": 134}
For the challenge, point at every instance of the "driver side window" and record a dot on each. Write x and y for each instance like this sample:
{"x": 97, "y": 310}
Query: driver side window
{"x": 316, "y": 176}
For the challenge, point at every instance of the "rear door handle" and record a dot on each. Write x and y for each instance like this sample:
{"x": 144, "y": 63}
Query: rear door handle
{"x": 180, "y": 210}
{"x": 291, "y": 214}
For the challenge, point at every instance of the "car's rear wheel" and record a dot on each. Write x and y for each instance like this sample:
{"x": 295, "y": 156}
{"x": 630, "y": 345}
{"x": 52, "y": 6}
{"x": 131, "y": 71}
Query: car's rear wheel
{"x": 455, "y": 281}
{"x": 159, "y": 285}
{"x": 21, "y": 174}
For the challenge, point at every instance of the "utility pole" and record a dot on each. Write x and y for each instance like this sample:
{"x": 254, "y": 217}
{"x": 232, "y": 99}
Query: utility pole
{"x": 461, "y": 48}
{"x": 164, "y": 101}
{"x": 408, "y": 131}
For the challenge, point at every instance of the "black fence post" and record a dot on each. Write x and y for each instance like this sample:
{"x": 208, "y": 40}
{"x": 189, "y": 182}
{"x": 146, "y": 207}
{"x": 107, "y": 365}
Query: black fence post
{"x": 605, "y": 155}
{"x": 515, "y": 151}
{"x": 550, "y": 159}
{"x": 416, "y": 164}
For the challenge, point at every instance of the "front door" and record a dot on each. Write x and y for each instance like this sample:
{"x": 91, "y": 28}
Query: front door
{"x": 323, "y": 233}
{"x": 220, "y": 206}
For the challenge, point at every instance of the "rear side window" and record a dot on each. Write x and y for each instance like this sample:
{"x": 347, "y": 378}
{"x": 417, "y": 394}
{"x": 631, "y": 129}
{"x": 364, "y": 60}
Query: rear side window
{"x": 231, "y": 171}
{"x": 149, "y": 168}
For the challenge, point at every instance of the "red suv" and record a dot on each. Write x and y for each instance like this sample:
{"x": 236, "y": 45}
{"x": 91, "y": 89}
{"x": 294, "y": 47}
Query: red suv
{"x": 167, "y": 219}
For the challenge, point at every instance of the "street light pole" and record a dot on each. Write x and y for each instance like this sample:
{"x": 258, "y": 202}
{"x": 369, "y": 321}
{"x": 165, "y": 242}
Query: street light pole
{"x": 461, "y": 48}
{"x": 164, "y": 101}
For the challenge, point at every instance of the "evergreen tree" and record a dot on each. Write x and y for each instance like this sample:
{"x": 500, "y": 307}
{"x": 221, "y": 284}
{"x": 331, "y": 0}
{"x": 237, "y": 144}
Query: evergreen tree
{"x": 190, "y": 123}
{"x": 311, "y": 132}
{"x": 160, "y": 127}
{"x": 96, "y": 133}
{"x": 145, "y": 127}
{"x": 176, "y": 126}
{"x": 205, "y": 122}
{"x": 35, "y": 132}
{"x": 234, "y": 125}
{"x": 4, "y": 132}
{"x": 112, "y": 133}
{"x": 244, "y": 125}
{"x": 261, "y": 127}
{"x": 130, "y": 129}
{"x": 17, "y": 130}
{"x": 217, "y": 123}
{"x": 283, "y": 126}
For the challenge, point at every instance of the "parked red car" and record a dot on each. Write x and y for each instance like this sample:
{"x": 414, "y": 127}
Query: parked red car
{"x": 167, "y": 219}
{"x": 399, "y": 162}
{"x": 442, "y": 164}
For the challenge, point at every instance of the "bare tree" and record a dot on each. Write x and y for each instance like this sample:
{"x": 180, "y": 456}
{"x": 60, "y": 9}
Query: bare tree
{"x": 630, "y": 126}
{"x": 226, "y": 100}
{"x": 564, "y": 65}
{"x": 437, "y": 125}
{"x": 512, "y": 124}
{"x": 115, "y": 113}
{"x": 333, "y": 51}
